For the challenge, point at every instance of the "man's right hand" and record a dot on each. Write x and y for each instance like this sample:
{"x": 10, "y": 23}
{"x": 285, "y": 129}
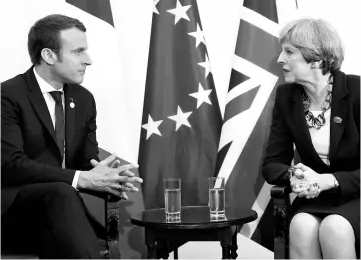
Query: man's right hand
{"x": 103, "y": 178}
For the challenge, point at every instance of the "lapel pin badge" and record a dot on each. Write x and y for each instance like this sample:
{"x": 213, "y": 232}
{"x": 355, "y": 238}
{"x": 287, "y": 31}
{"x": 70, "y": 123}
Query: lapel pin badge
{"x": 72, "y": 104}
{"x": 337, "y": 120}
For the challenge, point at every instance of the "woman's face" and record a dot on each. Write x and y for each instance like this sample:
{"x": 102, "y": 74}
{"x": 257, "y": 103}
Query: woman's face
{"x": 295, "y": 68}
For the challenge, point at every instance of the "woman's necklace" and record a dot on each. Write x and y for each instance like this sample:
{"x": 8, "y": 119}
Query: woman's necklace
{"x": 319, "y": 121}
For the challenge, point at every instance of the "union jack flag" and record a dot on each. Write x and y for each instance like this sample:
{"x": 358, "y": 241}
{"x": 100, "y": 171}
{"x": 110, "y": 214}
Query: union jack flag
{"x": 254, "y": 77}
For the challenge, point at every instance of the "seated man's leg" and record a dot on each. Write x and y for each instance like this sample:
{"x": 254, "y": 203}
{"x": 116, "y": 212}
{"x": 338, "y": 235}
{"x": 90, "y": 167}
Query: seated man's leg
{"x": 51, "y": 218}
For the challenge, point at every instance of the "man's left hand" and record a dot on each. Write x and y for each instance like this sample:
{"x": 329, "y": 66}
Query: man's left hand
{"x": 126, "y": 186}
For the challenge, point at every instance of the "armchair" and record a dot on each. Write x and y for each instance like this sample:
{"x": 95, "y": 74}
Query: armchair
{"x": 281, "y": 211}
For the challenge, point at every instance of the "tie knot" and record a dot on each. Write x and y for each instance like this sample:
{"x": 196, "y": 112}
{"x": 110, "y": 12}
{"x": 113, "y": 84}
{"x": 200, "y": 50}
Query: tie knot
{"x": 56, "y": 96}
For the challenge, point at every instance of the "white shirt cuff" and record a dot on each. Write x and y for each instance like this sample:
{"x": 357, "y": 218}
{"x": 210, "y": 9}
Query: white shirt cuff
{"x": 75, "y": 180}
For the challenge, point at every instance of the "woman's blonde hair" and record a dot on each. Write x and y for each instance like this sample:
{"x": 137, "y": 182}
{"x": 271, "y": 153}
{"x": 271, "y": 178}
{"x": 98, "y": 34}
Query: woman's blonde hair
{"x": 317, "y": 40}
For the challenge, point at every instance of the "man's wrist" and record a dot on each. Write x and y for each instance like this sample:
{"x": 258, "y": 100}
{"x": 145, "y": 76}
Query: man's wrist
{"x": 76, "y": 180}
{"x": 83, "y": 182}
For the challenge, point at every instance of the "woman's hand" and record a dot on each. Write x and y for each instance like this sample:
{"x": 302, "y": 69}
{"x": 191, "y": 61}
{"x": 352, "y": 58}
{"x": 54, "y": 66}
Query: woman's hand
{"x": 309, "y": 191}
{"x": 297, "y": 184}
{"x": 322, "y": 182}
{"x": 305, "y": 182}
{"x": 307, "y": 174}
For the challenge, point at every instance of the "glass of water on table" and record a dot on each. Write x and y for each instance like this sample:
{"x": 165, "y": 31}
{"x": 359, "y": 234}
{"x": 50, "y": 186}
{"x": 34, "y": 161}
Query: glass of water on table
{"x": 217, "y": 197}
{"x": 172, "y": 198}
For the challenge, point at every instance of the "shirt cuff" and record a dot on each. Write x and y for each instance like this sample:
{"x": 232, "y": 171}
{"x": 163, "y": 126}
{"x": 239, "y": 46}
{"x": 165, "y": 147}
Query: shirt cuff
{"x": 75, "y": 180}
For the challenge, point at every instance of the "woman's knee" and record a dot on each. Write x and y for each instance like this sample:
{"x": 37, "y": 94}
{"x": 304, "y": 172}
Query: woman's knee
{"x": 304, "y": 225}
{"x": 304, "y": 236}
{"x": 336, "y": 228}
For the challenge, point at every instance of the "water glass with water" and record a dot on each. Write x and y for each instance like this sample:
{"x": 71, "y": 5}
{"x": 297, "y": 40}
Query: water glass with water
{"x": 172, "y": 197}
{"x": 217, "y": 197}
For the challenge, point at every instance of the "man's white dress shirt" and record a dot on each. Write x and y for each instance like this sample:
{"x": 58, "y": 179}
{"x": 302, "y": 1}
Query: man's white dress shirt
{"x": 45, "y": 88}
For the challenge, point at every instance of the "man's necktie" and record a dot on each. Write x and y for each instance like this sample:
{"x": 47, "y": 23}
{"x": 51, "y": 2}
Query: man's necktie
{"x": 59, "y": 121}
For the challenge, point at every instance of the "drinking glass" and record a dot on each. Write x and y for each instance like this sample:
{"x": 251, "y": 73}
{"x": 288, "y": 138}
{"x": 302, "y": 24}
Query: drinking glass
{"x": 217, "y": 197}
{"x": 172, "y": 197}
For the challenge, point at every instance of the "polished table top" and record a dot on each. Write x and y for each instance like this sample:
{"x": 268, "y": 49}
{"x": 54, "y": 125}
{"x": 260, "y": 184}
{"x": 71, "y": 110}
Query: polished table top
{"x": 193, "y": 217}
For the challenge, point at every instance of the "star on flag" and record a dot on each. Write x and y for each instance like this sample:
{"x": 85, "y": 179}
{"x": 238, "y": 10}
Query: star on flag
{"x": 199, "y": 35}
{"x": 155, "y": 10}
{"x": 180, "y": 12}
{"x": 207, "y": 65}
{"x": 202, "y": 95}
{"x": 152, "y": 127}
{"x": 180, "y": 118}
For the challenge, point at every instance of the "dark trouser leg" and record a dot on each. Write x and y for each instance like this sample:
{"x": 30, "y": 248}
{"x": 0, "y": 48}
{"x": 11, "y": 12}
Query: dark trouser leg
{"x": 51, "y": 219}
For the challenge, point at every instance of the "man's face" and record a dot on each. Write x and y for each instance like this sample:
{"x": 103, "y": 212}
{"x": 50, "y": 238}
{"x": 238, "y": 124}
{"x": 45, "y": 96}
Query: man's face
{"x": 71, "y": 66}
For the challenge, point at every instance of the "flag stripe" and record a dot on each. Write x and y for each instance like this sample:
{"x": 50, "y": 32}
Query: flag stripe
{"x": 98, "y": 8}
{"x": 247, "y": 171}
{"x": 242, "y": 88}
{"x": 267, "y": 9}
{"x": 265, "y": 223}
{"x": 236, "y": 79}
{"x": 260, "y": 21}
{"x": 251, "y": 116}
{"x": 240, "y": 104}
{"x": 249, "y": 48}
{"x": 221, "y": 156}
{"x": 260, "y": 204}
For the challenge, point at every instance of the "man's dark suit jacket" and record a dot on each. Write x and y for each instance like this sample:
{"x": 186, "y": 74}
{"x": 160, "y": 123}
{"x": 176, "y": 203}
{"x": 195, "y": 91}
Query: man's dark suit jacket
{"x": 289, "y": 126}
{"x": 29, "y": 153}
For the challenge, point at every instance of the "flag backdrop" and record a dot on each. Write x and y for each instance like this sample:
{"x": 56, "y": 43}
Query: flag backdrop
{"x": 181, "y": 118}
{"x": 118, "y": 35}
{"x": 255, "y": 74}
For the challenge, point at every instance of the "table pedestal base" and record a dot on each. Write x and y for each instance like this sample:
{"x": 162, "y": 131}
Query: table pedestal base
{"x": 226, "y": 235}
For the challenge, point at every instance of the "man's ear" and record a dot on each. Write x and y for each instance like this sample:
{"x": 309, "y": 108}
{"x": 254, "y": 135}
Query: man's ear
{"x": 48, "y": 56}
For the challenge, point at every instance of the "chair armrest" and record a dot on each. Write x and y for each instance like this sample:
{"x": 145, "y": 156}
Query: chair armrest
{"x": 280, "y": 191}
{"x": 281, "y": 212}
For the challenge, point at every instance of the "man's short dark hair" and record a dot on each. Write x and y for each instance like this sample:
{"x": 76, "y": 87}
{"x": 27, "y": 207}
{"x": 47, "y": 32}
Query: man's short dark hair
{"x": 45, "y": 33}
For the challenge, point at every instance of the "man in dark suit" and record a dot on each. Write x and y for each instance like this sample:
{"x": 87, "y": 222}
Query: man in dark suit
{"x": 49, "y": 150}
